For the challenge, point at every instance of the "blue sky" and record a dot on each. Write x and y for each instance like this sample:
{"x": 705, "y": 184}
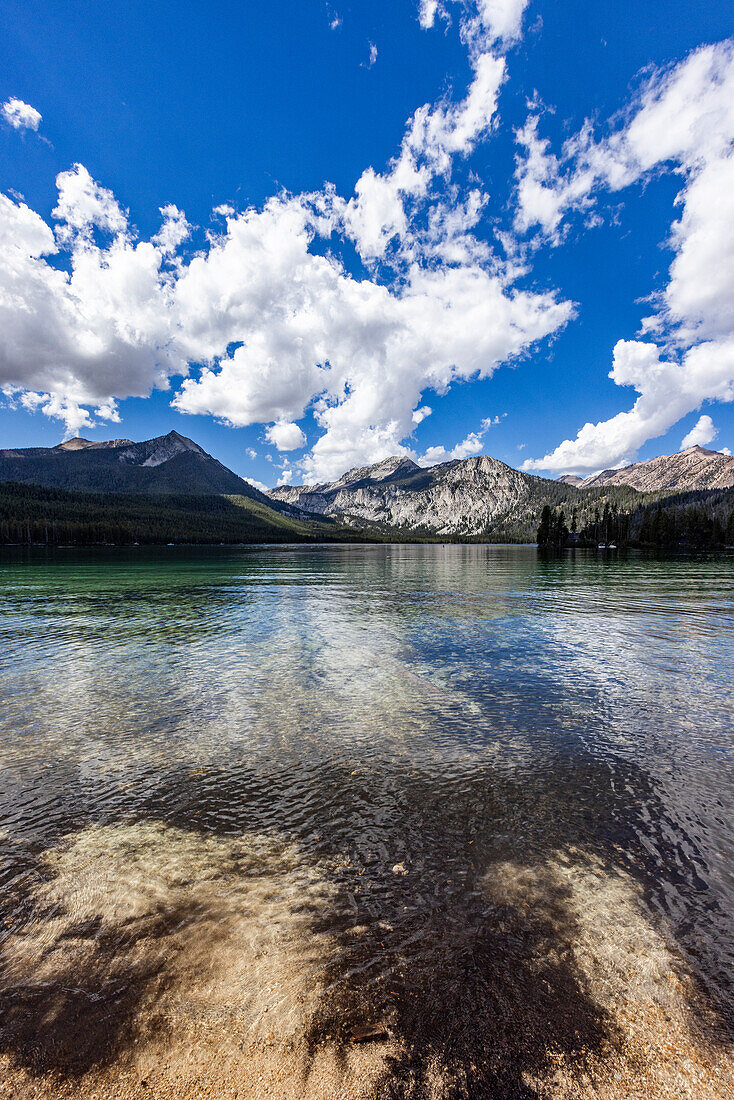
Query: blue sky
{"x": 558, "y": 208}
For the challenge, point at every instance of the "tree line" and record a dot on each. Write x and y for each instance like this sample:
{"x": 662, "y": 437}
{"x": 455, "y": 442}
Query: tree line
{"x": 36, "y": 514}
{"x": 698, "y": 520}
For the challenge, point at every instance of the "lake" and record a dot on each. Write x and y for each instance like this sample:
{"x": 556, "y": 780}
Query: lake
{"x": 366, "y": 821}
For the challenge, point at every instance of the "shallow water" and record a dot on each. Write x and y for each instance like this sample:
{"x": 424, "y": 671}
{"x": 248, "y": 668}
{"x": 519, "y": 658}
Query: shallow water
{"x": 476, "y": 797}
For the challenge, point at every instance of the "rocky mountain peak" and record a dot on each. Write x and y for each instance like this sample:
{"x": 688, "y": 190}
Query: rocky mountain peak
{"x": 462, "y": 496}
{"x": 80, "y": 444}
{"x": 695, "y": 468}
{"x": 165, "y": 447}
{"x": 386, "y": 468}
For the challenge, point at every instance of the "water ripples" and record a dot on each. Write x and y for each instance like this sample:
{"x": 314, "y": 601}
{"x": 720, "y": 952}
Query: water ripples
{"x": 420, "y": 728}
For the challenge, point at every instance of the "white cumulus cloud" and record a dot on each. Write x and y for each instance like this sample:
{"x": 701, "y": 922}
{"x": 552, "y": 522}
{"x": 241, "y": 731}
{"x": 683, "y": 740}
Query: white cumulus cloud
{"x": 472, "y": 445}
{"x": 82, "y": 337}
{"x": 668, "y": 390}
{"x": 173, "y": 232}
{"x": 484, "y": 23}
{"x": 260, "y": 324}
{"x": 257, "y": 484}
{"x": 83, "y": 205}
{"x": 428, "y": 10}
{"x": 20, "y": 115}
{"x": 681, "y": 121}
{"x": 502, "y": 19}
{"x": 702, "y": 432}
{"x": 277, "y": 327}
{"x": 285, "y": 436}
{"x": 380, "y": 209}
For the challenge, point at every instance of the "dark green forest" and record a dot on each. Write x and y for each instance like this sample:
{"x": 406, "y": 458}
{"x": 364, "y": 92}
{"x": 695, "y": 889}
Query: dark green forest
{"x": 37, "y": 514}
{"x": 699, "y": 520}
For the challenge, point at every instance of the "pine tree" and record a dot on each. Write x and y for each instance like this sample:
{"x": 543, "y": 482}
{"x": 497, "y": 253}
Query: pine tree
{"x": 544, "y": 530}
{"x": 561, "y": 530}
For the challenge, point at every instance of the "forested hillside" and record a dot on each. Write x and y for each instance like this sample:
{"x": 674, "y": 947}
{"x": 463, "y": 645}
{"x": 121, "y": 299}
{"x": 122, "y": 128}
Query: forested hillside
{"x": 36, "y": 514}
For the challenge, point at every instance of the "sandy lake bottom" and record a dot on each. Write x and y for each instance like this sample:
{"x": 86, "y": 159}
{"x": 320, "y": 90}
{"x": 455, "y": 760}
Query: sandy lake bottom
{"x": 366, "y": 822}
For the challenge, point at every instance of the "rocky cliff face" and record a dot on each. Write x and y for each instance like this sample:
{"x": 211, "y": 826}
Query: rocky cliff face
{"x": 464, "y": 497}
{"x": 694, "y": 468}
{"x": 80, "y": 444}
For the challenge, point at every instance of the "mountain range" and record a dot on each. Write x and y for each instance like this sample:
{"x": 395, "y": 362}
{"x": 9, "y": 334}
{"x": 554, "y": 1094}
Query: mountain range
{"x": 691, "y": 470}
{"x": 468, "y": 498}
{"x": 464, "y": 497}
{"x": 473, "y": 496}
